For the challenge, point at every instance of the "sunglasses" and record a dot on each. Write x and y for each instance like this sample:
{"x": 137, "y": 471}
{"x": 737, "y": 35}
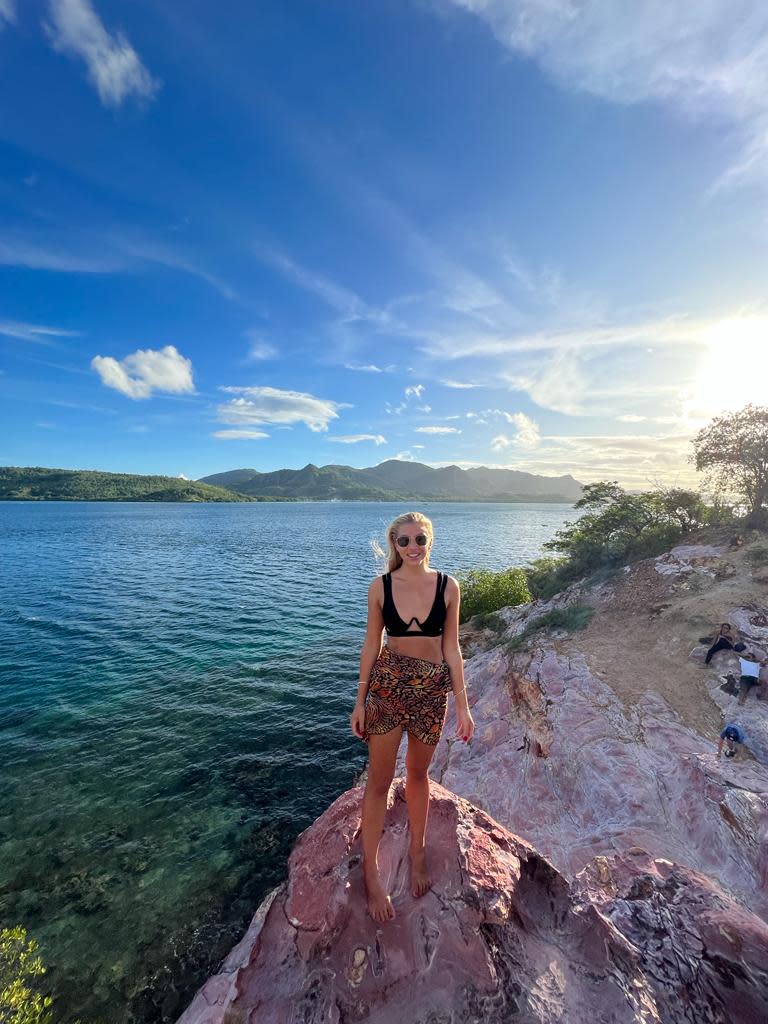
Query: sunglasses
{"x": 421, "y": 539}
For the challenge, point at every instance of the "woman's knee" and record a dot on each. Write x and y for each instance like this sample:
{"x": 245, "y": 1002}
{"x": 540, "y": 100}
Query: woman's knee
{"x": 416, "y": 772}
{"x": 378, "y": 785}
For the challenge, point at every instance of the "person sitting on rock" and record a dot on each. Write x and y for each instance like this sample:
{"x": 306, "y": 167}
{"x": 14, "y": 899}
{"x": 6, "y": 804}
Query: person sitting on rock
{"x": 725, "y": 640}
{"x": 403, "y": 688}
{"x": 733, "y": 738}
{"x": 750, "y": 673}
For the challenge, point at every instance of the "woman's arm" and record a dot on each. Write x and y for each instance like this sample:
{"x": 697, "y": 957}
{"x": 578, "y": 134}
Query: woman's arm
{"x": 373, "y": 637}
{"x": 465, "y": 725}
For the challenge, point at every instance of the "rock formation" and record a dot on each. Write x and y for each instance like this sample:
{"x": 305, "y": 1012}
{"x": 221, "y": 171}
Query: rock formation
{"x": 600, "y": 862}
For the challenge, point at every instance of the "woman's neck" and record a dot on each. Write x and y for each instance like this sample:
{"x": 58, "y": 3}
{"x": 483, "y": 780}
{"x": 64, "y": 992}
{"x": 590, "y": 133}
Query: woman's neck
{"x": 414, "y": 571}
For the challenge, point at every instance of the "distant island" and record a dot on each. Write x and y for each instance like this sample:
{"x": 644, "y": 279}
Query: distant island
{"x": 395, "y": 480}
{"x": 37, "y": 484}
{"x": 391, "y": 481}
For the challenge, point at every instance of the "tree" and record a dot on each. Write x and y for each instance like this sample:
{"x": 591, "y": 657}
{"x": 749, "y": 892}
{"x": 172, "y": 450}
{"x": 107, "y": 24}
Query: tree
{"x": 734, "y": 449}
{"x": 618, "y": 527}
{"x": 20, "y": 967}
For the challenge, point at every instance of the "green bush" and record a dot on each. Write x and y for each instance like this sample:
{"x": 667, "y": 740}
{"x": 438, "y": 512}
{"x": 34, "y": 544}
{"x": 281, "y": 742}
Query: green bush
{"x": 20, "y": 967}
{"x": 547, "y": 576}
{"x": 758, "y": 555}
{"x": 573, "y": 618}
{"x": 492, "y": 621}
{"x": 484, "y": 591}
{"x": 618, "y": 527}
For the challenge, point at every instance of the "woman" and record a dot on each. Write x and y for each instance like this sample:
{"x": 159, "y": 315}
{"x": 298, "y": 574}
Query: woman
{"x": 725, "y": 640}
{"x": 403, "y": 687}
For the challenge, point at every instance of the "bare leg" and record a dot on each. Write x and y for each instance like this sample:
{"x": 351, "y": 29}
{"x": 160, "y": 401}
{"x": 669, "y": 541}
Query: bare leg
{"x": 382, "y": 752}
{"x": 417, "y": 797}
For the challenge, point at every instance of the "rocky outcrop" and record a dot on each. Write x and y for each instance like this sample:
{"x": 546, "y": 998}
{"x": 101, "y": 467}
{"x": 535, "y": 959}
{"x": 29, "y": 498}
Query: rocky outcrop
{"x": 501, "y": 936}
{"x": 599, "y": 863}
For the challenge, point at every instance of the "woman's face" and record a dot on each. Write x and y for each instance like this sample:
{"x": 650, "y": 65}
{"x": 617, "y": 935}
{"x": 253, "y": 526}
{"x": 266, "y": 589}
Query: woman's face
{"x": 413, "y": 553}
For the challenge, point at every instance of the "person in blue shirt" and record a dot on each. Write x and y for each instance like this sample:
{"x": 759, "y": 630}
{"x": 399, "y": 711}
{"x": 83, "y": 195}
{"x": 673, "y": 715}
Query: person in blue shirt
{"x": 730, "y": 737}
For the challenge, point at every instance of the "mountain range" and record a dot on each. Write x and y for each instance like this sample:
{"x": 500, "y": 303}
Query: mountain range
{"x": 395, "y": 480}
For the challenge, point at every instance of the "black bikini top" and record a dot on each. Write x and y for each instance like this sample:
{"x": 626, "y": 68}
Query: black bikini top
{"x": 431, "y": 626}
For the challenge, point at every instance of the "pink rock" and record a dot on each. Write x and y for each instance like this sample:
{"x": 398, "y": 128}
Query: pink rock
{"x": 501, "y": 936}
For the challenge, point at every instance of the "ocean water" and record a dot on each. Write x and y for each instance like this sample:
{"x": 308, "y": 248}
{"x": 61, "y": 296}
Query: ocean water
{"x": 175, "y": 686}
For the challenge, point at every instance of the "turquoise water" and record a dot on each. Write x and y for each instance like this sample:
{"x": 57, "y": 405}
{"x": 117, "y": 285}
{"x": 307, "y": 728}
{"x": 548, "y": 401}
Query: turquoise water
{"x": 175, "y": 684}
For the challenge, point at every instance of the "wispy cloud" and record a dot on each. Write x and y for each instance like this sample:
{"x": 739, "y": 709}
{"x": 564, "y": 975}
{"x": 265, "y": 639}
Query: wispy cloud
{"x": 458, "y": 384}
{"x": 49, "y": 255}
{"x": 528, "y": 434}
{"x": 345, "y": 302}
{"x": 259, "y": 349}
{"x": 438, "y": 430}
{"x": 706, "y": 60}
{"x": 34, "y": 332}
{"x": 7, "y": 12}
{"x": 363, "y": 367}
{"x": 114, "y": 67}
{"x": 261, "y": 405}
{"x": 239, "y": 435}
{"x": 146, "y": 371}
{"x": 356, "y": 438}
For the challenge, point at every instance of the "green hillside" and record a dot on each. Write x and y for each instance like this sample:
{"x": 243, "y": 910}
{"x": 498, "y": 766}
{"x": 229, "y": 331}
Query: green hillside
{"x": 395, "y": 480}
{"x": 37, "y": 484}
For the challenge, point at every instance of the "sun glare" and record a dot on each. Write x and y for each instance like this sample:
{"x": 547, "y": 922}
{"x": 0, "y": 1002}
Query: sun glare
{"x": 734, "y": 368}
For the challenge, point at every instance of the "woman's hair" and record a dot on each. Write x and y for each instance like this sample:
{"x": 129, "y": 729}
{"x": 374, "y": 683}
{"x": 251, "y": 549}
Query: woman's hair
{"x": 725, "y": 625}
{"x": 392, "y": 555}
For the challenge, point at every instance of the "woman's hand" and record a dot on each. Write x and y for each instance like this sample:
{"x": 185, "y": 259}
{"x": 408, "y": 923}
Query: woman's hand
{"x": 465, "y": 725}
{"x": 357, "y": 720}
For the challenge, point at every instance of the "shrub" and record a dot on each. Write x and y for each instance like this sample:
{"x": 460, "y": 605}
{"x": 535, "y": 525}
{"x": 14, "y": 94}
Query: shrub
{"x": 484, "y": 591}
{"x": 573, "y": 618}
{"x": 618, "y": 527}
{"x": 20, "y": 965}
{"x": 492, "y": 621}
{"x": 758, "y": 555}
{"x": 547, "y": 576}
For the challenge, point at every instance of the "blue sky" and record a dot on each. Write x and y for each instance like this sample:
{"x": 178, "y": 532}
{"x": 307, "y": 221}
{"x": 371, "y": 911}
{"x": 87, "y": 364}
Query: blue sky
{"x": 489, "y": 232}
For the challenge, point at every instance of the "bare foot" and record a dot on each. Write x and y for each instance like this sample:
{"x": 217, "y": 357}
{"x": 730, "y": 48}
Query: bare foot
{"x": 379, "y": 904}
{"x": 420, "y": 879}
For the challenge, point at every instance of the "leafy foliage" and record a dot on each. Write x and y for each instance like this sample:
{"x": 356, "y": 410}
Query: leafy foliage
{"x": 573, "y": 618}
{"x": 484, "y": 591}
{"x": 758, "y": 555}
{"x": 734, "y": 450}
{"x": 547, "y": 576}
{"x": 618, "y": 527}
{"x": 20, "y": 967}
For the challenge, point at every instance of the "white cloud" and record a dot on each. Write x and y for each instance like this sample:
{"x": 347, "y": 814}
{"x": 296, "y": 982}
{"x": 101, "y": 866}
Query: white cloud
{"x": 239, "y": 435}
{"x": 356, "y": 438}
{"x": 7, "y": 12}
{"x": 631, "y": 418}
{"x": 349, "y": 305}
{"x": 146, "y": 371}
{"x": 708, "y": 60}
{"x": 47, "y": 255}
{"x": 34, "y": 332}
{"x": 273, "y": 405}
{"x": 363, "y": 368}
{"x": 405, "y": 456}
{"x": 528, "y": 434}
{"x": 437, "y": 430}
{"x": 114, "y": 67}
{"x": 415, "y": 390}
{"x": 258, "y": 349}
{"x": 458, "y": 384}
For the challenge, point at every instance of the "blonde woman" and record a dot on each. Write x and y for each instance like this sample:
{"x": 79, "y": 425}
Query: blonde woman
{"x": 403, "y": 688}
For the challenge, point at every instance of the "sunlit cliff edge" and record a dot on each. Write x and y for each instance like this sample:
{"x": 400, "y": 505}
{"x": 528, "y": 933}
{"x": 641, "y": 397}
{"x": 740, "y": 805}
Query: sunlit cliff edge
{"x": 593, "y": 859}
